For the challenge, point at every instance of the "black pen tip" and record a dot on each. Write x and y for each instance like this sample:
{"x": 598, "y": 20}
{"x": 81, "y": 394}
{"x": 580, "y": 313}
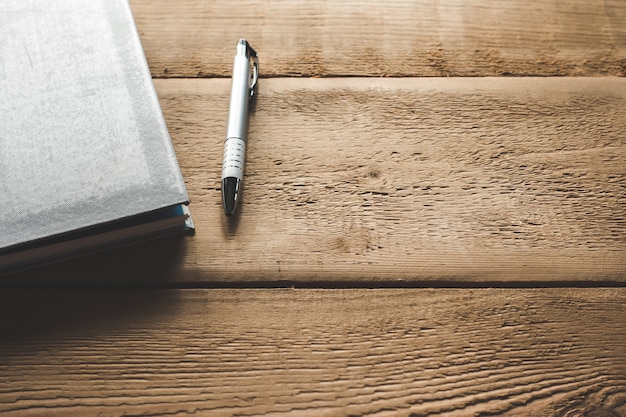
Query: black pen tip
{"x": 230, "y": 194}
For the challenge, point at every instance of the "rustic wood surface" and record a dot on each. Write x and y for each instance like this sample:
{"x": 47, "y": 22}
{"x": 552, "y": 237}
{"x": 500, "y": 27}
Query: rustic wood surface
{"x": 189, "y": 38}
{"x": 490, "y": 179}
{"x": 454, "y": 352}
{"x": 357, "y": 181}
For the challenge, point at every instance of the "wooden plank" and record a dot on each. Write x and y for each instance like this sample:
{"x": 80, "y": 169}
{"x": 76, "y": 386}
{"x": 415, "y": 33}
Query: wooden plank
{"x": 401, "y": 180}
{"x": 192, "y": 38}
{"x": 314, "y": 352}
{"x": 412, "y": 179}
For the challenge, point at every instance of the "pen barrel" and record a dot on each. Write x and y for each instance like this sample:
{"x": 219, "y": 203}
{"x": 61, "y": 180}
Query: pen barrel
{"x": 239, "y": 99}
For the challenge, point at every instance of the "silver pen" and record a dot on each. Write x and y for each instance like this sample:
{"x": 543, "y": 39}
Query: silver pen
{"x": 245, "y": 76}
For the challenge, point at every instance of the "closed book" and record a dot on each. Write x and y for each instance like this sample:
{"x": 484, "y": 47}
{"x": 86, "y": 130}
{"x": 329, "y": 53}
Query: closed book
{"x": 86, "y": 161}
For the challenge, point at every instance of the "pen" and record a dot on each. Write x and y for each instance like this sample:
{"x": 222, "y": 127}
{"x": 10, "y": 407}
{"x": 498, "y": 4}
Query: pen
{"x": 245, "y": 76}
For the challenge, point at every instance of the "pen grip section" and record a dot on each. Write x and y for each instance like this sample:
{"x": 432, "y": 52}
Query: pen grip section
{"x": 234, "y": 158}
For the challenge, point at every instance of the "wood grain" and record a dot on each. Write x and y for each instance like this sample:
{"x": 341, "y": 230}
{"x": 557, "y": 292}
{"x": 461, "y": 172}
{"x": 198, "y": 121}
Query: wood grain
{"x": 413, "y": 179}
{"x": 193, "y": 38}
{"x": 541, "y": 352}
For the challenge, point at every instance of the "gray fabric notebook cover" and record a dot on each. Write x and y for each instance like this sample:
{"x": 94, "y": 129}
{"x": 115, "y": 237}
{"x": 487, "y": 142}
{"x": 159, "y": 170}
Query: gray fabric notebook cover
{"x": 82, "y": 137}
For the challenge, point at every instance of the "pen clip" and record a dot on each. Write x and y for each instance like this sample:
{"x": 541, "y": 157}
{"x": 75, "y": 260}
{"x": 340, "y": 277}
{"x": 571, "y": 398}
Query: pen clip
{"x": 255, "y": 71}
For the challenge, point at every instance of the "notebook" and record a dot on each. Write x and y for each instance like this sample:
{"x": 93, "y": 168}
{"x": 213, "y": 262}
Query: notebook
{"x": 86, "y": 161}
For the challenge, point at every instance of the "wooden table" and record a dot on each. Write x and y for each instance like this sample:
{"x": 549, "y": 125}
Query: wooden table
{"x": 433, "y": 224}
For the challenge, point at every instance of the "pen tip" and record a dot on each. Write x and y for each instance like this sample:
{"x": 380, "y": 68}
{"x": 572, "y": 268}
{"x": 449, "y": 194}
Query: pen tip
{"x": 230, "y": 191}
